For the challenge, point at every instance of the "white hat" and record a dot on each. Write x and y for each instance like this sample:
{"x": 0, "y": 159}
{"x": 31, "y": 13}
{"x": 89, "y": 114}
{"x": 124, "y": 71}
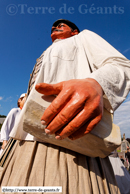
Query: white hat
{"x": 22, "y": 95}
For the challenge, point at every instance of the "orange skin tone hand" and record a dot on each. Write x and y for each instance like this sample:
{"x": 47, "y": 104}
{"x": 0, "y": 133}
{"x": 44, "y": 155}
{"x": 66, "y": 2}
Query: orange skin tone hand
{"x": 79, "y": 103}
{"x": 4, "y": 144}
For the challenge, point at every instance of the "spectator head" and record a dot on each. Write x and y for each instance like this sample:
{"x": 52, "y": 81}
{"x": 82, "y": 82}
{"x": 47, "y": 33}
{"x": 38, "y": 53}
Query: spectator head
{"x": 21, "y": 100}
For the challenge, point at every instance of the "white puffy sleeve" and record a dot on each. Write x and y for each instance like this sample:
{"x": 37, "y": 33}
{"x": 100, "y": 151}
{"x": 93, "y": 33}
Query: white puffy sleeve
{"x": 109, "y": 68}
{"x": 9, "y": 123}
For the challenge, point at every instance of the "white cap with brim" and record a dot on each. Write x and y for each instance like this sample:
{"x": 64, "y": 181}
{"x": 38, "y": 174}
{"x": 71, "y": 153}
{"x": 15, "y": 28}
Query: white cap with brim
{"x": 22, "y": 95}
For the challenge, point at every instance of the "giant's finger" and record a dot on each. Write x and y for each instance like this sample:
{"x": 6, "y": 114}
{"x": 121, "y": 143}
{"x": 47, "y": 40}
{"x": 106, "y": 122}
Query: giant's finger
{"x": 84, "y": 116}
{"x": 79, "y": 120}
{"x": 56, "y": 106}
{"x": 68, "y": 112}
{"x": 86, "y": 128}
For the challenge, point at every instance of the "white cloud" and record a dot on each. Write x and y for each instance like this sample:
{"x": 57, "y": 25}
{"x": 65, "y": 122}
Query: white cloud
{"x": 8, "y": 99}
{"x": 122, "y": 117}
{"x": 125, "y": 51}
{"x": 1, "y": 97}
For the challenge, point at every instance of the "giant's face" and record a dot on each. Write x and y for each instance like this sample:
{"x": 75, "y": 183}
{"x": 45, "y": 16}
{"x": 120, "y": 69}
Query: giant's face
{"x": 61, "y": 31}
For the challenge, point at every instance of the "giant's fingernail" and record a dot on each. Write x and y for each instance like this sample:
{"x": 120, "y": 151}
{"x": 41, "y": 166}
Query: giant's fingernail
{"x": 43, "y": 122}
{"x": 47, "y": 131}
{"x": 58, "y": 137}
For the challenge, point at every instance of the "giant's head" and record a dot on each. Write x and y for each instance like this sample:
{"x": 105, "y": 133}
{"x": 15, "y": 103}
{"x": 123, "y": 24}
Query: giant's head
{"x": 62, "y": 29}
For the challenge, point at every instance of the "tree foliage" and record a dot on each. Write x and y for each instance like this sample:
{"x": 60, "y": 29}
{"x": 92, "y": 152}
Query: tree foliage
{"x": 2, "y": 116}
{"x": 0, "y": 126}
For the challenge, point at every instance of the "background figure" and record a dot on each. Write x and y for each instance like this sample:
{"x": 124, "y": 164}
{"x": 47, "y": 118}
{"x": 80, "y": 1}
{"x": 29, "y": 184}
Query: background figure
{"x": 127, "y": 155}
{"x": 10, "y": 120}
{"x": 124, "y": 144}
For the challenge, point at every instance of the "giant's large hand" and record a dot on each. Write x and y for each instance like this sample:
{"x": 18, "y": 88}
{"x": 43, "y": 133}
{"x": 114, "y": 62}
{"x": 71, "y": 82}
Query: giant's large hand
{"x": 79, "y": 104}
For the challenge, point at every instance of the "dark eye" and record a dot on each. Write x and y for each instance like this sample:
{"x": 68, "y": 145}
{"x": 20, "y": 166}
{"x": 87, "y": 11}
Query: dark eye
{"x": 61, "y": 25}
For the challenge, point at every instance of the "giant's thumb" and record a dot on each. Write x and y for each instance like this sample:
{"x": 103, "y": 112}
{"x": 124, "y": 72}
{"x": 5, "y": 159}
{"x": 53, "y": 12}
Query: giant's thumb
{"x": 49, "y": 89}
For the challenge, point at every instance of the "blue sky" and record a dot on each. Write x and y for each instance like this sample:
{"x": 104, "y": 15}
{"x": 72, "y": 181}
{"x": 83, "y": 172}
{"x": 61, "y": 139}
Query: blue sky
{"x": 25, "y": 34}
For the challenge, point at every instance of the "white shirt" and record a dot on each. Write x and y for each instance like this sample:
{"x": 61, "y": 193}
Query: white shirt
{"x": 9, "y": 123}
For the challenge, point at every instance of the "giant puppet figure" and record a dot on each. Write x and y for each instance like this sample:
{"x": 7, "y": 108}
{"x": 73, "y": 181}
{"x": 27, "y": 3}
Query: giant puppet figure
{"x": 79, "y": 68}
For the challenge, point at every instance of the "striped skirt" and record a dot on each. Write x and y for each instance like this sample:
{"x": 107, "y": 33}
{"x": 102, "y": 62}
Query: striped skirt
{"x": 7, "y": 151}
{"x": 40, "y": 164}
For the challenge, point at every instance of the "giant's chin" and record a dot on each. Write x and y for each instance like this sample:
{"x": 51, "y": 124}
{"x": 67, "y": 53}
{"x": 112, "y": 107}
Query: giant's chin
{"x": 55, "y": 35}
